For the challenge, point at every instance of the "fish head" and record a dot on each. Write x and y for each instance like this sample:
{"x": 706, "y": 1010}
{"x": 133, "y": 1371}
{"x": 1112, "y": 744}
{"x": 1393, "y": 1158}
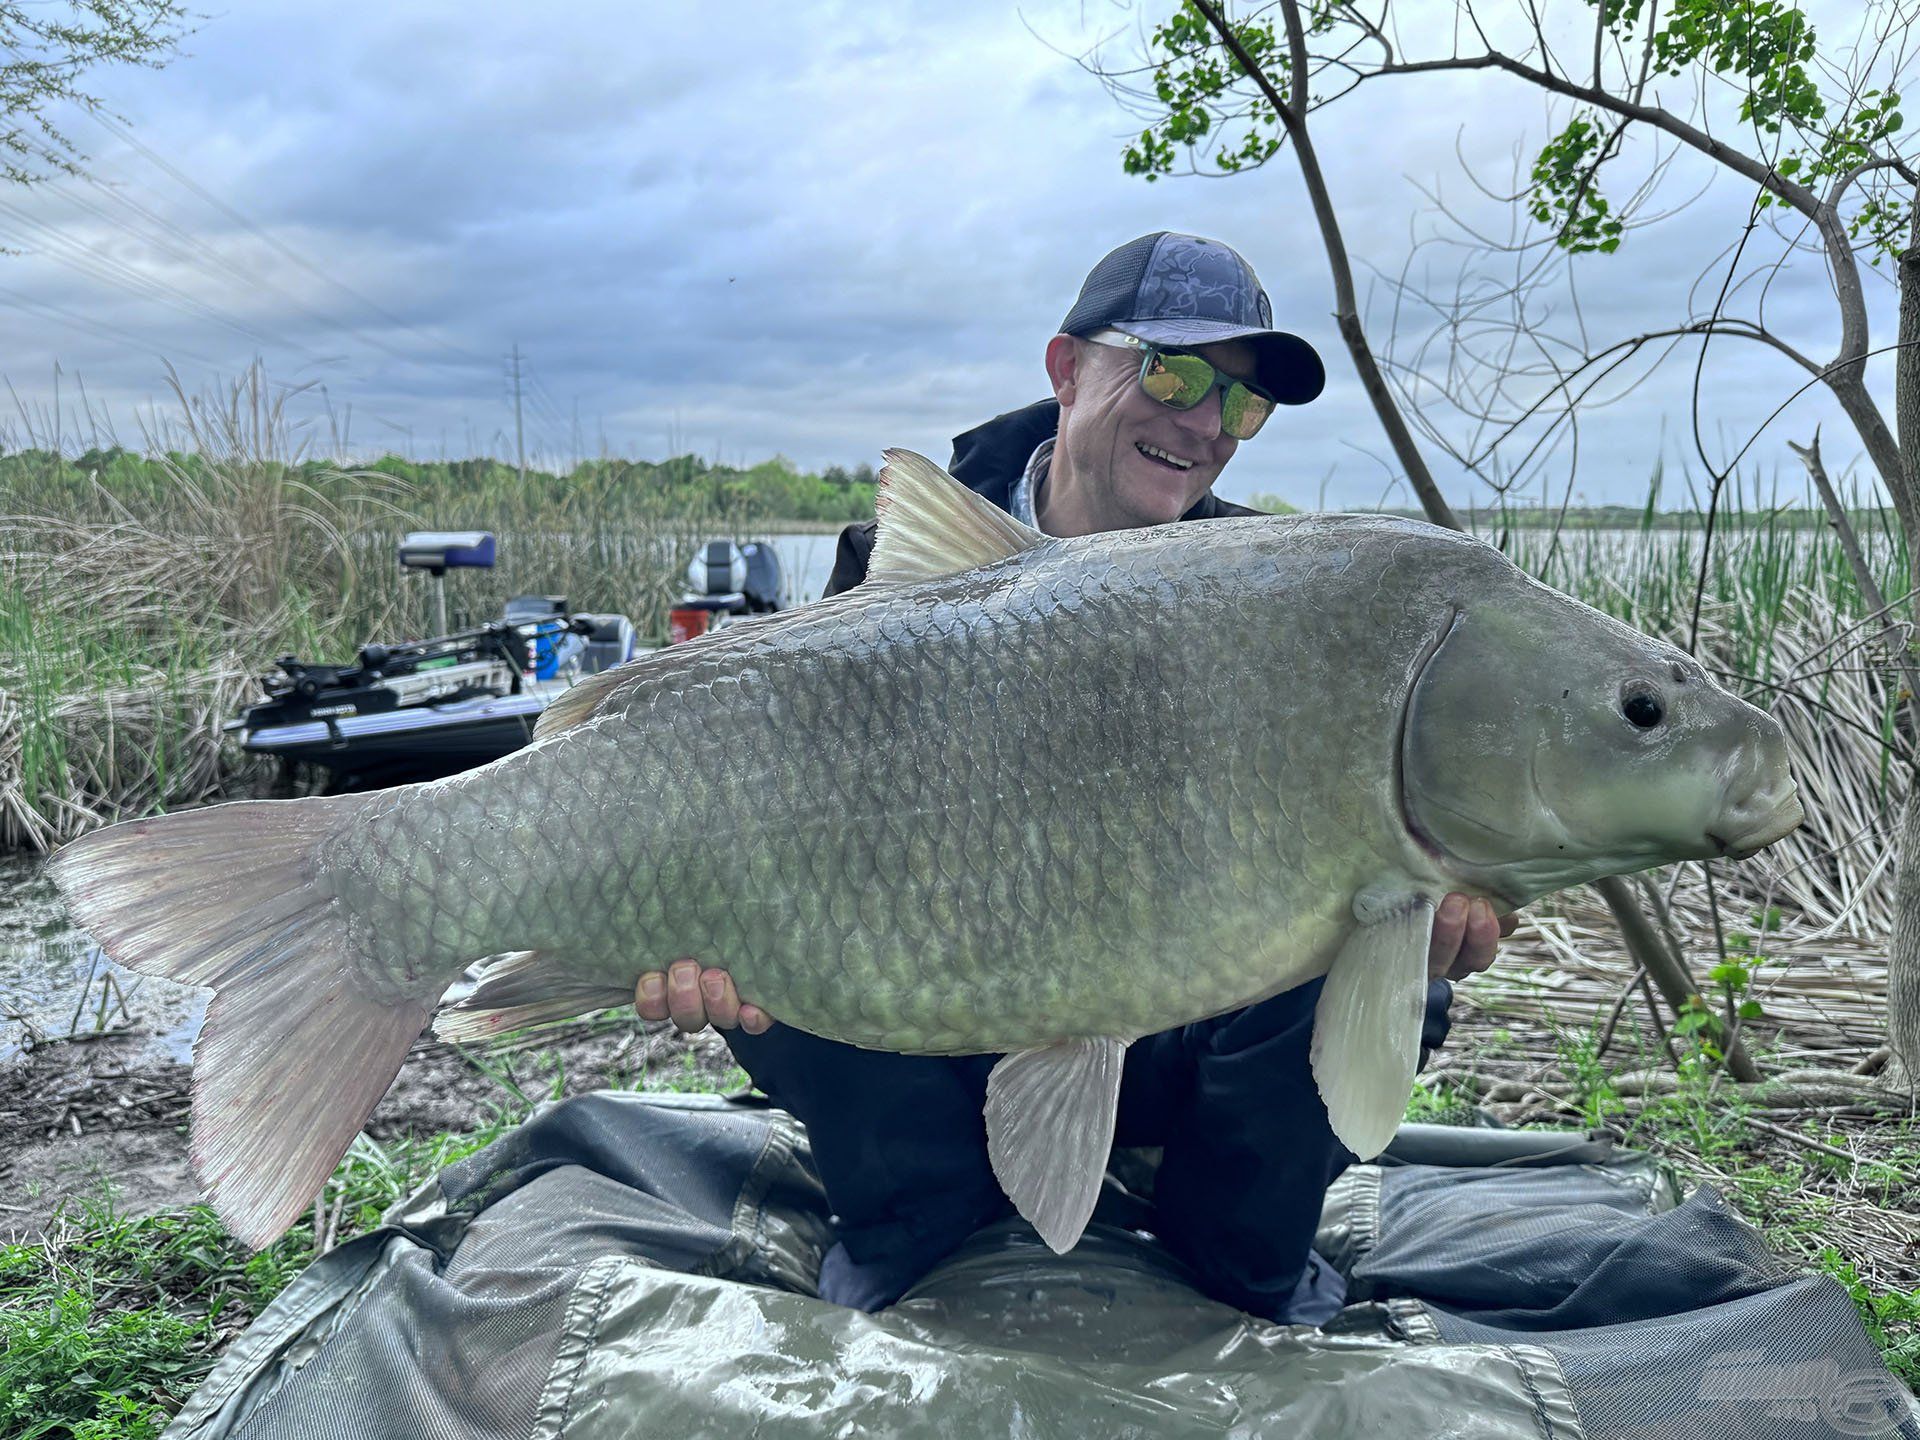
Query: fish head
{"x": 1546, "y": 744}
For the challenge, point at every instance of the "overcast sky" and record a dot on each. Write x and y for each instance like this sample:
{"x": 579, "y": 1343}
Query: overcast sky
{"x": 813, "y": 230}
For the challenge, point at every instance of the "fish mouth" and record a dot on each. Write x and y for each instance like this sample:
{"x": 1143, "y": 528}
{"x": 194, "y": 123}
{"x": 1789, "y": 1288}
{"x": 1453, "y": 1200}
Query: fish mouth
{"x": 1781, "y": 821}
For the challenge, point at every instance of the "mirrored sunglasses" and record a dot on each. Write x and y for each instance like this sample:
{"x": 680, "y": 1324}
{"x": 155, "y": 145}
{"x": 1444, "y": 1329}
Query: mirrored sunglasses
{"x": 1180, "y": 380}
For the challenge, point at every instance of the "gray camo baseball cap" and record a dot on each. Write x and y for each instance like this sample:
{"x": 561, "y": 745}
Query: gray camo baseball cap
{"x": 1175, "y": 289}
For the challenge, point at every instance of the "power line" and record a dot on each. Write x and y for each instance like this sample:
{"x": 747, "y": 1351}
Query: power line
{"x": 545, "y": 409}
{"x": 96, "y": 265}
{"x": 202, "y": 252}
{"x": 114, "y": 128}
{"x": 49, "y": 310}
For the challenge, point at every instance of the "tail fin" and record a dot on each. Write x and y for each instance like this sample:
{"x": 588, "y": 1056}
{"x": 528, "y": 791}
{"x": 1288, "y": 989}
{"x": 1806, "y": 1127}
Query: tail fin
{"x": 296, "y": 1049}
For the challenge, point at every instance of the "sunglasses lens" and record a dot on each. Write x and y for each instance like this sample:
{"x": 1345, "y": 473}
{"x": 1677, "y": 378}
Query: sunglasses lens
{"x": 1243, "y": 412}
{"x": 1181, "y": 381}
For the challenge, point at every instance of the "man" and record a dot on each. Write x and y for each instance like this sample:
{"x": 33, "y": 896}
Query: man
{"x": 1166, "y": 362}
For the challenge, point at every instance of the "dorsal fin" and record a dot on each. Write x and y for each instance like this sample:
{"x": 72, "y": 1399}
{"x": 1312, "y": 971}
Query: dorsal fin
{"x": 931, "y": 525}
{"x": 592, "y": 695}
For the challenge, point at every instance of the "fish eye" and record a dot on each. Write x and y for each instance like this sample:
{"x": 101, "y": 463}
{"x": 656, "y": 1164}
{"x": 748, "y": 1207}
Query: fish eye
{"x": 1642, "y": 707}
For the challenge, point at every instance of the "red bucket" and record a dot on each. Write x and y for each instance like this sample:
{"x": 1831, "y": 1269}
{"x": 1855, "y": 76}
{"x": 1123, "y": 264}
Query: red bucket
{"x": 685, "y": 624}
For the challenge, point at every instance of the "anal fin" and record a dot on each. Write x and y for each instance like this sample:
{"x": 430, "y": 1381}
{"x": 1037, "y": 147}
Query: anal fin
{"x": 1050, "y": 1117}
{"x": 522, "y": 988}
{"x": 1366, "y": 1027}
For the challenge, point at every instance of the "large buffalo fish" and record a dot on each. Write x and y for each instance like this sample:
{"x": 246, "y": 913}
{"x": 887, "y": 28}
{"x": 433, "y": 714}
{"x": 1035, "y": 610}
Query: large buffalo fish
{"x": 1012, "y": 794}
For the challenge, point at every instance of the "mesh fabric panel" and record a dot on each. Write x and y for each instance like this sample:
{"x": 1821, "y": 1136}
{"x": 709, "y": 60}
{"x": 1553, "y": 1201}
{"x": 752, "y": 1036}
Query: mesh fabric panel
{"x": 1111, "y": 286}
{"x": 427, "y": 1360}
{"x": 1787, "y": 1363}
{"x": 1679, "y": 1325}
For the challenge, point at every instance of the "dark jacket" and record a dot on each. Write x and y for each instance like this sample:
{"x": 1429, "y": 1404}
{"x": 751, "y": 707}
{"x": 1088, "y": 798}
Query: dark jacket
{"x": 901, "y": 1144}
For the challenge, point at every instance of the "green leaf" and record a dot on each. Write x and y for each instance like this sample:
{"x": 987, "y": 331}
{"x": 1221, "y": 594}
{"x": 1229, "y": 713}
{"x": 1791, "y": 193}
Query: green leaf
{"x": 1732, "y": 974}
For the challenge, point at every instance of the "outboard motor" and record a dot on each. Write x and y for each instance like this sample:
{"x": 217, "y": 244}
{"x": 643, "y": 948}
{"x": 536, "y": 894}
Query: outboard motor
{"x": 725, "y": 579}
{"x": 765, "y": 588}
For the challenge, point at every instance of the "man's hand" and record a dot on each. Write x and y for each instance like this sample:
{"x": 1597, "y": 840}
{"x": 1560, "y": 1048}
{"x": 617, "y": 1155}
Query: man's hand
{"x": 1464, "y": 935}
{"x": 694, "y": 998}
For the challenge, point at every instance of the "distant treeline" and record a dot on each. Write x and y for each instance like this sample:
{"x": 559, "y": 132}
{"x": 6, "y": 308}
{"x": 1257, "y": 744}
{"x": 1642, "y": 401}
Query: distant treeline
{"x": 773, "y": 490}
{"x": 1639, "y": 517}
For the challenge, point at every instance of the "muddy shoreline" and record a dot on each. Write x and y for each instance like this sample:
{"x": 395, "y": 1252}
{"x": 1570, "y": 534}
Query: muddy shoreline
{"x": 107, "y": 1116}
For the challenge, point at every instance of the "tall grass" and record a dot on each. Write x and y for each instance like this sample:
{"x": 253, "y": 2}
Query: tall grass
{"x": 140, "y": 595}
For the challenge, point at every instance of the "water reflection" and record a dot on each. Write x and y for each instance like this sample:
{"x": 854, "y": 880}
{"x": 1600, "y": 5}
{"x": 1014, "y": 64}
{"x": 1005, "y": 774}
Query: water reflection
{"x": 55, "y": 982}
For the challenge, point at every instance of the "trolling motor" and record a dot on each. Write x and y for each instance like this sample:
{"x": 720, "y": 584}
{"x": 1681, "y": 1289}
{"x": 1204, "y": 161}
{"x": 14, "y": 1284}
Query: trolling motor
{"x": 438, "y": 551}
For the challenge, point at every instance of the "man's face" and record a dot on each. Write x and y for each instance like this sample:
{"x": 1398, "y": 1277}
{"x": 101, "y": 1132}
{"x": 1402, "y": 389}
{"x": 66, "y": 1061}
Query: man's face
{"x": 1143, "y": 463}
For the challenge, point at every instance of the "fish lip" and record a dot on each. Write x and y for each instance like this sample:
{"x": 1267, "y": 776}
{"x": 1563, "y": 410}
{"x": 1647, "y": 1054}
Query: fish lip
{"x": 1781, "y": 822}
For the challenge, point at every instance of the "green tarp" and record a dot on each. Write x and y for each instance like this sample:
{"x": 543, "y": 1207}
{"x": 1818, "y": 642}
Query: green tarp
{"x": 643, "y": 1266}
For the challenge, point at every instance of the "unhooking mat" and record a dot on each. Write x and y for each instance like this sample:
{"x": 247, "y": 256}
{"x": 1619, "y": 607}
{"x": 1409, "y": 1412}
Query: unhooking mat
{"x": 627, "y": 1265}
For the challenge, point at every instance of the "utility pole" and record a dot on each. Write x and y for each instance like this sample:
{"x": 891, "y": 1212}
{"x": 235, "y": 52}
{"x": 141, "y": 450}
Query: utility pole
{"x": 519, "y": 432}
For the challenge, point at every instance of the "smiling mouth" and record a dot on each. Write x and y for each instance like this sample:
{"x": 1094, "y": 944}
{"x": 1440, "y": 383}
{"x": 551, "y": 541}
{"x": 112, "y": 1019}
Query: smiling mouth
{"x": 1163, "y": 458}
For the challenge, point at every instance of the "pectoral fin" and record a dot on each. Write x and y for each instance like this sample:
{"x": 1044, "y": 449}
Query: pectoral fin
{"x": 1366, "y": 1028}
{"x": 1050, "y": 1116}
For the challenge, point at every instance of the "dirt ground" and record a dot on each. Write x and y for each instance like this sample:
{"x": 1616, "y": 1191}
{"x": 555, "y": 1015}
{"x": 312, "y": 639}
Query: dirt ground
{"x": 79, "y": 1117}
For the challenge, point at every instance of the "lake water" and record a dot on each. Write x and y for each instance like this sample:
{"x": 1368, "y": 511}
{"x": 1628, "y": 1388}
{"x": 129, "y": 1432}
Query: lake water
{"x": 808, "y": 561}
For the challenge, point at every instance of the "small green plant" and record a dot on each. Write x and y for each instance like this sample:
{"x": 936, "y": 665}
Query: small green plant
{"x": 1585, "y": 1066}
{"x": 685, "y": 1076}
{"x": 1892, "y": 1317}
{"x": 1437, "y": 1102}
{"x": 108, "y": 1324}
{"x": 1699, "y": 1027}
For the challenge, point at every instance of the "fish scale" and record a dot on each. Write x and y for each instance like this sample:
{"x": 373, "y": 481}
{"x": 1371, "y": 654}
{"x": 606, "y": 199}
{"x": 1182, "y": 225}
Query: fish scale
{"x": 1013, "y": 794}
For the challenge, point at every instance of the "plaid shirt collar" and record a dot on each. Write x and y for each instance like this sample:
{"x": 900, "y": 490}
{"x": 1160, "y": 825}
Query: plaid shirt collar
{"x": 1027, "y": 489}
